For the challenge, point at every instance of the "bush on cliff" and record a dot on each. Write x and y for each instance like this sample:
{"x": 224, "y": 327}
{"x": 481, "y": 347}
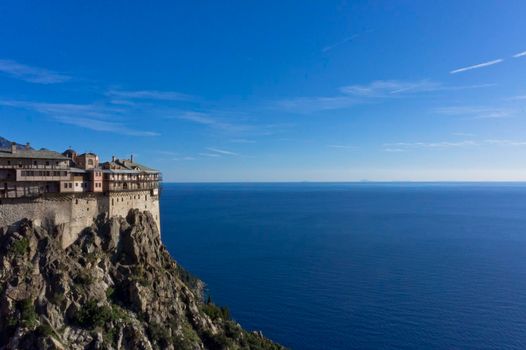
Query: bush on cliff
{"x": 90, "y": 315}
{"x": 20, "y": 247}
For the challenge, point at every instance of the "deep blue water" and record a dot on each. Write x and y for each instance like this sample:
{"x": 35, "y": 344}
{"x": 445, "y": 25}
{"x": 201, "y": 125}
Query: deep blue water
{"x": 359, "y": 266}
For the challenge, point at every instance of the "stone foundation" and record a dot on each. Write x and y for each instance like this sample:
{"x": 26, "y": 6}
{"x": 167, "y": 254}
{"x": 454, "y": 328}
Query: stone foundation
{"x": 76, "y": 211}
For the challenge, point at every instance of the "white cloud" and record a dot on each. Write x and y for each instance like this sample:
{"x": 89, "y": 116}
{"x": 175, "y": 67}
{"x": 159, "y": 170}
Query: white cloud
{"x": 384, "y": 88}
{"x": 183, "y": 158}
{"x": 341, "y": 146}
{"x": 405, "y": 146}
{"x": 505, "y": 142}
{"x": 477, "y": 66}
{"x": 477, "y": 112}
{"x": 88, "y": 116}
{"x": 431, "y": 145}
{"x": 394, "y": 150}
{"x": 101, "y": 125}
{"x": 31, "y": 74}
{"x": 222, "y": 151}
{"x": 149, "y": 95}
{"x": 242, "y": 141}
{"x": 206, "y": 119}
{"x": 463, "y": 134}
{"x": 520, "y": 54}
{"x": 212, "y": 155}
{"x": 351, "y": 95}
{"x": 341, "y": 42}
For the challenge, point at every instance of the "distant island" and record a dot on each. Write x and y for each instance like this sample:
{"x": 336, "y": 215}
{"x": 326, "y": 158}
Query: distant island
{"x": 83, "y": 265}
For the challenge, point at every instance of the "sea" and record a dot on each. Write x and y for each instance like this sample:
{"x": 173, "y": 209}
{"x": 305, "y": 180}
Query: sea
{"x": 359, "y": 265}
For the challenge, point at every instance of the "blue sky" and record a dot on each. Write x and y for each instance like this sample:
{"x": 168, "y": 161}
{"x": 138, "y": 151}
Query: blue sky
{"x": 272, "y": 90}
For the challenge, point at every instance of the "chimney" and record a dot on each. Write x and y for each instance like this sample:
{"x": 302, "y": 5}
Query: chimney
{"x": 112, "y": 158}
{"x": 131, "y": 158}
{"x": 28, "y": 146}
{"x": 13, "y": 147}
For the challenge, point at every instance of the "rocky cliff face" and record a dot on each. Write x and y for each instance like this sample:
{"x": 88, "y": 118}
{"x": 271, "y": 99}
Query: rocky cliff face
{"x": 116, "y": 287}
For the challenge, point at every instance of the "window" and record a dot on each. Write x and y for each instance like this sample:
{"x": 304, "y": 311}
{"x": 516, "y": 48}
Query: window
{"x": 76, "y": 184}
{"x": 47, "y": 163}
{"x": 34, "y": 162}
{"x": 8, "y": 162}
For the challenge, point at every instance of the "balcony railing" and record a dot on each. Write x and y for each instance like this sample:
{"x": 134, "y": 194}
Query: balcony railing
{"x": 30, "y": 166}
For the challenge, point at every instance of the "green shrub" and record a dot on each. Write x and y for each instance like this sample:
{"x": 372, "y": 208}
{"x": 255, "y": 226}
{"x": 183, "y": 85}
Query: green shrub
{"x": 232, "y": 330}
{"x": 158, "y": 334}
{"x": 84, "y": 279}
{"x": 57, "y": 298}
{"x": 28, "y": 315}
{"x": 45, "y": 330}
{"x": 110, "y": 293}
{"x": 215, "y": 341}
{"x": 189, "y": 333}
{"x": 215, "y": 312}
{"x": 91, "y": 315}
{"x": 20, "y": 247}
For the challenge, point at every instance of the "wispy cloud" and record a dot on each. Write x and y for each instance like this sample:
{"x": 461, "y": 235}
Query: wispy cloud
{"x": 242, "y": 141}
{"x": 435, "y": 145}
{"x": 476, "y": 112}
{"x": 392, "y": 88}
{"x": 185, "y": 158}
{"x": 351, "y": 95}
{"x": 505, "y": 142}
{"x": 342, "y": 147}
{"x": 211, "y": 155}
{"x": 208, "y": 120}
{"x": 313, "y": 104}
{"x": 31, "y": 74}
{"x": 339, "y": 43}
{"x": 477, "y": 66}
{"x": 149, "y": 95}
{"x": 463, "y": 134}
{"x": 101, "y": 125}
{"x": 244, "y": 126}
{"x": 394, "y": 150}
{"x": 520, "y": 54}
{"x": 88, "y": 116}
{"x": 222, "y": 151}
{"x": 441, "y": 145}
{"x": 384, "y": 88}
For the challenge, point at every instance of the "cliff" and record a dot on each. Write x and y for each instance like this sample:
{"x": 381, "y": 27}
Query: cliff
{"x": 115, "y": 287}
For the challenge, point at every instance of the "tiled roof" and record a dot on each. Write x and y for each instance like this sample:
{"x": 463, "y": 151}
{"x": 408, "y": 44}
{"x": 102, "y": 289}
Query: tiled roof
{"x": 32, "y": 154}
{"x": 128, "y": 165}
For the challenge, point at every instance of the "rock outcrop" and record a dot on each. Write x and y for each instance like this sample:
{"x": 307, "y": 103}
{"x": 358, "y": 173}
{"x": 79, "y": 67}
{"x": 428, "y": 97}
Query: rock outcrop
{"x": 115, "y": 287}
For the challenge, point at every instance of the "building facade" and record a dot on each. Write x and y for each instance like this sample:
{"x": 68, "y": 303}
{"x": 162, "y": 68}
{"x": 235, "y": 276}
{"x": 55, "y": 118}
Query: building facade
{"x": 71, "y": 189}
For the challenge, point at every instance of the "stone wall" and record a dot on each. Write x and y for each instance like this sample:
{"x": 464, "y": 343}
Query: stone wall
{"x": 76, "y": 211}
{"x": 120, "y": 203}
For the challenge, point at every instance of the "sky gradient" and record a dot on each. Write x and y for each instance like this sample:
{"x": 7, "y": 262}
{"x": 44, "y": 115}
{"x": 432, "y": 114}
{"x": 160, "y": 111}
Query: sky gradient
{"x": 273, "y": 90}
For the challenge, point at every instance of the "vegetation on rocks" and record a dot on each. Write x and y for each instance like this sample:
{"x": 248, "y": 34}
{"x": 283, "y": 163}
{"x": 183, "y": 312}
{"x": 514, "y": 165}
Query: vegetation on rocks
{"x": 115, "y": 287}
